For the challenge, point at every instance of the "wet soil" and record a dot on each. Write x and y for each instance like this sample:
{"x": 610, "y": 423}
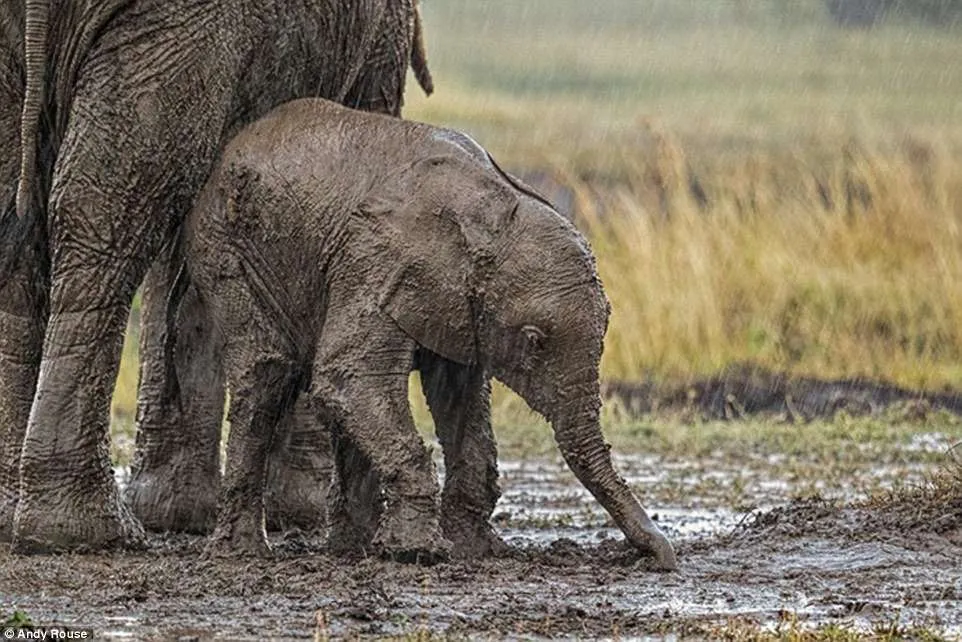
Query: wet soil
{"x": 568, "y": 574}
{"x": 746, "y": 390}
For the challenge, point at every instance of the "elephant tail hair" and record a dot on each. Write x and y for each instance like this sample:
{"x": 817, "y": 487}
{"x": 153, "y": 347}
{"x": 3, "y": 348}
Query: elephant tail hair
{"x": 37, "y": 26}
{"x": 419, "y": 54}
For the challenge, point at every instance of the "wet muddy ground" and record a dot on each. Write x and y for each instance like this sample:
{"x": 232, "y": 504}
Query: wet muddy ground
{"x": 761, "y": 555}
{"x": 746, "y": 389}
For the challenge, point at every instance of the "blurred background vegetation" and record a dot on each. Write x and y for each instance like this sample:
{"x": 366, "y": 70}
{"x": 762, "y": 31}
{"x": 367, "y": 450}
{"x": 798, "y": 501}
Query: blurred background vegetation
{"x": 768, "y": 181}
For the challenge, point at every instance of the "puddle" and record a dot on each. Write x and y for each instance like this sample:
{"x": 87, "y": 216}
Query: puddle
{"x": 541, "y": 501}
{"x": 932, "y": 442}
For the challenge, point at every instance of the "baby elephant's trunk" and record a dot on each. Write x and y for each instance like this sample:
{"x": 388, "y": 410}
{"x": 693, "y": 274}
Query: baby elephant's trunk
{"x": 578, "y": 433}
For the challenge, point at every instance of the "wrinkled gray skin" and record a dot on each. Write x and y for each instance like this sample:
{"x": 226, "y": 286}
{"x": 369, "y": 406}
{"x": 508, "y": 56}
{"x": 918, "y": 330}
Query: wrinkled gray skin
{"x": 126, "y": 104}
{"x": 23, "y": 278}
{"x": 336, "y": 251}
{"x": 176, "y": 469}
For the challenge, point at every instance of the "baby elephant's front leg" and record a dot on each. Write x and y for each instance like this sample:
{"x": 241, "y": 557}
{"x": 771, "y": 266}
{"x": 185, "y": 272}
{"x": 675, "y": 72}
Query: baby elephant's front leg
{"x": 360, "y": 388}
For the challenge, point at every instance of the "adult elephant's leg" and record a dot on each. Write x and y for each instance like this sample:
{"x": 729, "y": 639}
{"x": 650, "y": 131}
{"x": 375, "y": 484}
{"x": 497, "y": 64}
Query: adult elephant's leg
{"x": 22, "y": 279}
{"x": 460, "y": 401}
{"x": 22, "y": 318}
{"x": 69, "y": 499}
{"x": 299, "y": 471}
{"x": 179, "y": 409}
{"x": 135, "y": 153}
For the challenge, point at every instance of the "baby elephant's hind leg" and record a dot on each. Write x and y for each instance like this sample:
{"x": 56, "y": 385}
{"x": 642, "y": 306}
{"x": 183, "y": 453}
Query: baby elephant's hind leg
{"x": 263, "y": 385}
{"x": 299, "y": 471}
{"x": 355, "y": 502}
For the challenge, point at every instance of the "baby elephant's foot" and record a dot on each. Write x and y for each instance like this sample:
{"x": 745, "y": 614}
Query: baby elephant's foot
{"x": 347, "y": 537}
{"x": 475, "y": 541}
{"x": 242, "y": 537}
{"x": 412, "y": 535}
{"x": 424, "y": 553}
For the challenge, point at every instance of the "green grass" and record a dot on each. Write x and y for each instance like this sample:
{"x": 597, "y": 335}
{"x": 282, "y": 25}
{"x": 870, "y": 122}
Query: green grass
{"x": 843, "y": 458}
{"x": 17, "y": 620}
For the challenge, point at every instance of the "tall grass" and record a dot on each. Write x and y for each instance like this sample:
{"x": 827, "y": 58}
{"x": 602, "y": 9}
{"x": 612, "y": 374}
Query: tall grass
{"x": 851, "y": 266}
{"x": 758, "y": 184}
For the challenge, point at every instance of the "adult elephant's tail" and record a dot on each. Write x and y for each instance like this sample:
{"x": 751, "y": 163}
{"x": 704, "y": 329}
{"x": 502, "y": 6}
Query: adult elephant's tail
{"x": 37, "y": 26}
{"x": 419, "y": 55}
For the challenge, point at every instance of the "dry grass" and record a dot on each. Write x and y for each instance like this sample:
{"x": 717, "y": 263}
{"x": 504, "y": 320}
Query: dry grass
{"x": 791, "y": 629}
{"x": 757, "y": 184}
{"x": 847, "y": 261}
{"x": 936, "y": 500}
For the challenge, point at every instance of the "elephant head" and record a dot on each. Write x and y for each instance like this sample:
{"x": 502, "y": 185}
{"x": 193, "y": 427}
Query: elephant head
{"x": 488, "y": 273}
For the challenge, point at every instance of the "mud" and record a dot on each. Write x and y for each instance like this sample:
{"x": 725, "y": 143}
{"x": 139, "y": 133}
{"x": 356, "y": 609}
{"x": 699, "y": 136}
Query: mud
{"x": 745, "y": 390}
{"x": 568, "y": 573}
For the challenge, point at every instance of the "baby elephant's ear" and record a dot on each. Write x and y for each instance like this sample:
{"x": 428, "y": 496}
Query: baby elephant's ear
{"x": 483, "y": 206}
{"x": 443, "y": 222}
{"x": 428, "y": 303}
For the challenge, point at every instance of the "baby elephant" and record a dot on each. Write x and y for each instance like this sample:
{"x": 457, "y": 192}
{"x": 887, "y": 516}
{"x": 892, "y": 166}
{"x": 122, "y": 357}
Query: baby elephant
{"x": 338, "y": 250}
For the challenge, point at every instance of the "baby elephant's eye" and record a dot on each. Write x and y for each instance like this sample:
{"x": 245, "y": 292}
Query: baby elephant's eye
{"x": 534, "y": 338}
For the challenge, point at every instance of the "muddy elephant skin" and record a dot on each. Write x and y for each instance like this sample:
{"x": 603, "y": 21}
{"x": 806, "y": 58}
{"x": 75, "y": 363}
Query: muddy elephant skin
{"x": 176, "y": 467}
{"x": 125, "y": 107}
{"x": 23, "y": 279}
{"x": 338, "y": 250}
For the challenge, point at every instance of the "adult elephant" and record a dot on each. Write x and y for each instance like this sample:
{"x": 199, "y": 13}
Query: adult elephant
{"x": 126, "y": 104}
